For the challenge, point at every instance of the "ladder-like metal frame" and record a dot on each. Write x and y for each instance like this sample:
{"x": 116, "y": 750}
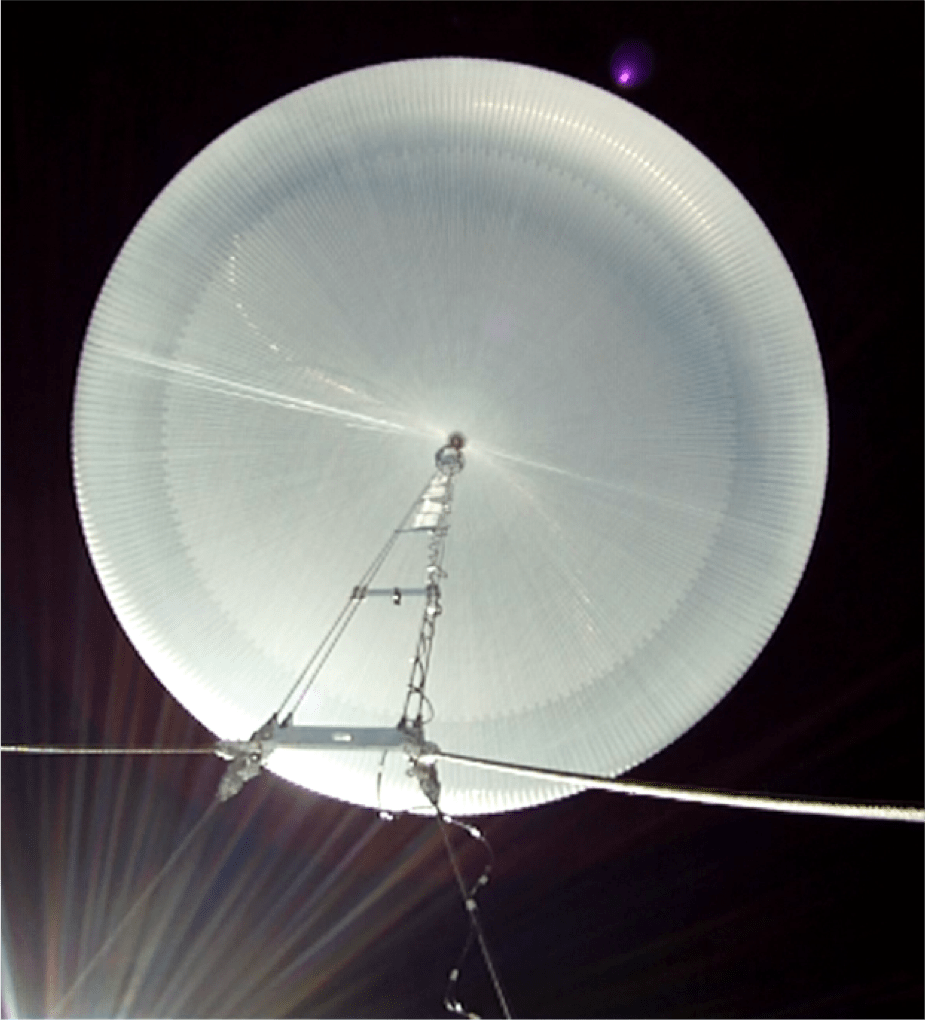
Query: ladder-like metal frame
{"x": 246, "y": 758}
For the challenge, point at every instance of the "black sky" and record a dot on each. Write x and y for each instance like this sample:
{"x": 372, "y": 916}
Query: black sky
{"x": 599, "y": 906}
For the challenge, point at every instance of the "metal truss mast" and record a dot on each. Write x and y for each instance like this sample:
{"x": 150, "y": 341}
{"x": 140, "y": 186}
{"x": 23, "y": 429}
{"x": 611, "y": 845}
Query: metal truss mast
{"x": 430, "y": 512}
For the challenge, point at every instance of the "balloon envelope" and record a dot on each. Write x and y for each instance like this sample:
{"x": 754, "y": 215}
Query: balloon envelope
{"x": 338, "y": 282}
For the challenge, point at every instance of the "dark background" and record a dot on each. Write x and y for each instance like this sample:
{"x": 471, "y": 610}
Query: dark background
{"x": 600, "y": 906}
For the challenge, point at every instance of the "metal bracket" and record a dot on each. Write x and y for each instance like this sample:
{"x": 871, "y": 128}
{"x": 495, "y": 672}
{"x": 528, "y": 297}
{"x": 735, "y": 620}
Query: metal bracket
{"x": 360, "y": 592}
{"x": 416, "y": 748}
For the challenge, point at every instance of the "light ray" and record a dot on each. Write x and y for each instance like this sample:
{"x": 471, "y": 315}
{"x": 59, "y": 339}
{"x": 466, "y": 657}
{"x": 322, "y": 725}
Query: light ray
{"x": 199, "y": 378}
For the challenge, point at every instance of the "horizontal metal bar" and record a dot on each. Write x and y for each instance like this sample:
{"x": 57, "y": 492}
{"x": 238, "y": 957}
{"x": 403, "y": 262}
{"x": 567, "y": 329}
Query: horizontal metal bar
{"x": 343, "y": 737}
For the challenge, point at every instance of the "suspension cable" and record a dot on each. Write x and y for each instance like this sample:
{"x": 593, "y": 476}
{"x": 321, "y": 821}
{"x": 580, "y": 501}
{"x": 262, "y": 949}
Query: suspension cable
{"x": 794, "y": 805}
{"x": 469, "y": 901}
{"x": 46, "y": 749}
{"x": 450, "y": 998}
{"x": 427, "y": 777}
{"x": 320, "y": 656}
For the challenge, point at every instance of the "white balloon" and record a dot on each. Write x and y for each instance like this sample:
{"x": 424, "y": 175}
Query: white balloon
{"x": 353, "y": 272}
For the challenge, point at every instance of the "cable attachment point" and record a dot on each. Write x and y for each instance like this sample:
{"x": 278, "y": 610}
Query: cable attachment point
{"x": 427, "y": 778}
{"x": 415, "y": 746}
{"x": 449, "y": 458}
{"x": 247, "y": 758}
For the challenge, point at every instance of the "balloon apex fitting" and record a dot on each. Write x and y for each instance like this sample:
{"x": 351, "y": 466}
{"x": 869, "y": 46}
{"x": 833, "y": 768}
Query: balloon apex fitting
{"x": 449, "y": 457}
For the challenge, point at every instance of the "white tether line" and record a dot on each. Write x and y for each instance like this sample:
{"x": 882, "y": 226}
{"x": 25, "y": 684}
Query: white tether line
{"x": 788, "y": 805}
{"x": 880, "y": 812}
{"x": 44, "y": 749}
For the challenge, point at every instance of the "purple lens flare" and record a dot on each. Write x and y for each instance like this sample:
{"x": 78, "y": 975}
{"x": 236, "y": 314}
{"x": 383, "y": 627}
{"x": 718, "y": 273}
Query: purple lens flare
{"x": 631, "y": 64}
